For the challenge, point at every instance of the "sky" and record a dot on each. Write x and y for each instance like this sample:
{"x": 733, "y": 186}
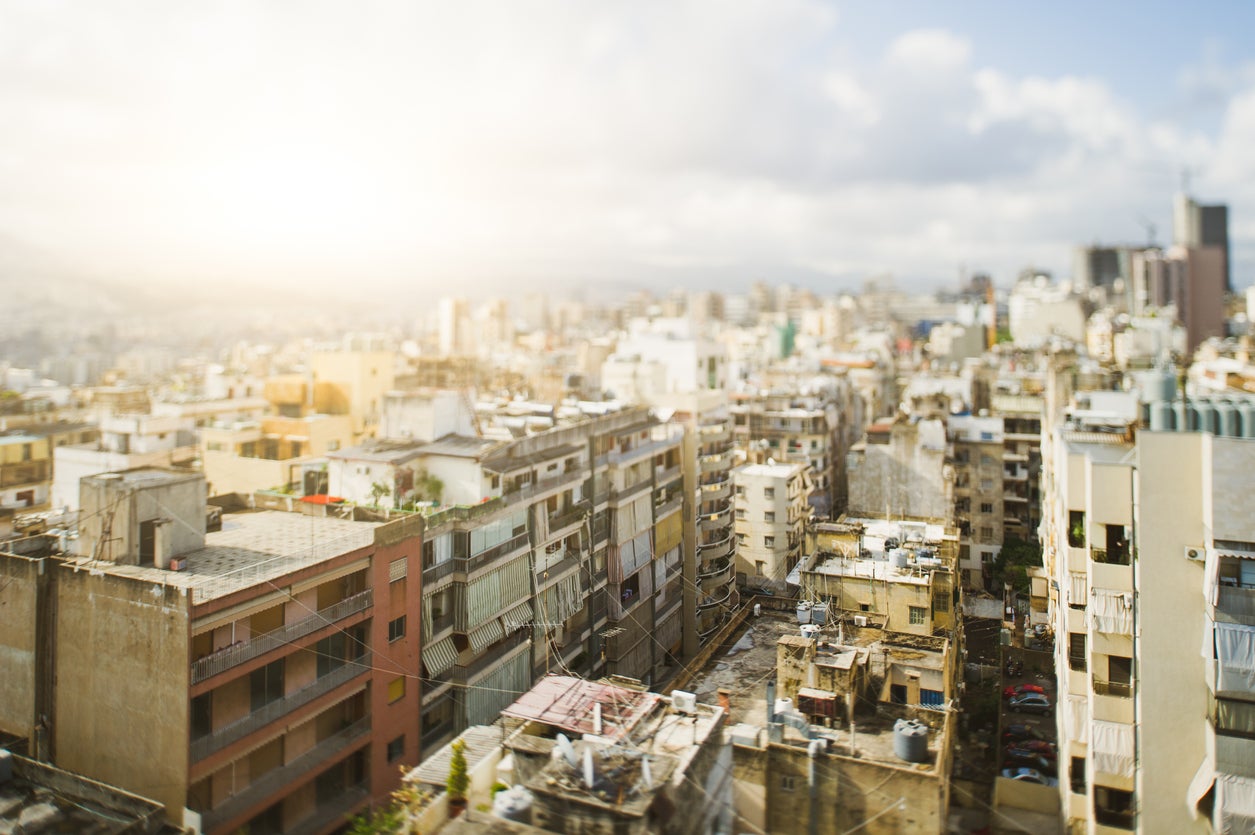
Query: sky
{"x": 423, "y": 146}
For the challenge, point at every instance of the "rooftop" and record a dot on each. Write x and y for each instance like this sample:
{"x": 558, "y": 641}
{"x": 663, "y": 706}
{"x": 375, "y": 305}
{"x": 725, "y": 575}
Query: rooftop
{"x": 143, "y": 477}
{"x": 783, "y": 470}
{"x": 460, "y": 446}
{"x": 35, "y": 797}
{"x": 745, "y": 668}
{"x": 567, "y": 704}
{"x": 386, "y": 451}
{"x": 251, "y": 549}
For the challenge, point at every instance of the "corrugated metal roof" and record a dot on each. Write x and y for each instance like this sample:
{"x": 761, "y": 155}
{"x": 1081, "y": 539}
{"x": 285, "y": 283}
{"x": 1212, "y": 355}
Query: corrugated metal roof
{"x": 567, "y": 703}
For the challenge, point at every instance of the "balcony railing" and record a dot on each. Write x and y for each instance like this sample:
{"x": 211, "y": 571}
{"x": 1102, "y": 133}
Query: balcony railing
{"x": 1123, "y": 690}
{"x": 1235, "y": 605}
{"x": 1116, "y": 557}
{"x": 286, "y": 775}
{"x": 715, "y": 601}
{"x": 464, "y": 674}
{"x": 1109, "y": 817}
{"x": 435, "y": 573}
{"x": 568, "y": 517}
{"x": 530, "y": 491}
{"x": 222, "y": 737}
{"x": 225, "y": 659}
{"x": 467, "y": 565}
{"x": 332, "y": 811}
{"x": 719, "y": 566}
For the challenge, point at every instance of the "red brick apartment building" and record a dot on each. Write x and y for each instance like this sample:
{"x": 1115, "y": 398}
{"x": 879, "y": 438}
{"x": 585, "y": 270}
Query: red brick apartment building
{"x": 262, "y": 675}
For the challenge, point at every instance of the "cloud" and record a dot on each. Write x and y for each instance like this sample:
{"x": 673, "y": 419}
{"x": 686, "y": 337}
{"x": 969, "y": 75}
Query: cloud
{"x": 716, "y": 142}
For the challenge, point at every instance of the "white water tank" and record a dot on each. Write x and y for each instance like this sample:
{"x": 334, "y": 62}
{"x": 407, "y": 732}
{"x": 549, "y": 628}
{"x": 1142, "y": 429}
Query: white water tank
{"x": 819, "y": 613}
{"x": 804, "y": 612}
{"x": 513, "y": 804}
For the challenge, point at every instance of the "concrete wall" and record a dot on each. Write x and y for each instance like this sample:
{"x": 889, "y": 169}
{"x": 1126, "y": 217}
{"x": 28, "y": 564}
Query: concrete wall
{"x": 1175, "y": 472}
{"x": 122, "y": 668}
{"x": 20, "y": 580}
{"x": 124, "y": 507}
{"x": 850, "y": 794}
{"x": 227, "y": 472}
{"x": 902, "y": 478}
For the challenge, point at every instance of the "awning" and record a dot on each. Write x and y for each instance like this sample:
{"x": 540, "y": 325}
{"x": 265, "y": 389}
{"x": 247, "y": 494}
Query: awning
{"x": 1235, "y": 655}
{"x": 440, "y": 657}
{"x": 1235, "y": 804}
{"x": 1112, "y": 611}
{"x": 517, "y": 617}
{"x": 1112, "y": 748}
{"x": 1203, "y": 780}
{"x": 485, "y": 635}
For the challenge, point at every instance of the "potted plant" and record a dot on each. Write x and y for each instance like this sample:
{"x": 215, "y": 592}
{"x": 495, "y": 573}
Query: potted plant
{"x": 459, "y": 780}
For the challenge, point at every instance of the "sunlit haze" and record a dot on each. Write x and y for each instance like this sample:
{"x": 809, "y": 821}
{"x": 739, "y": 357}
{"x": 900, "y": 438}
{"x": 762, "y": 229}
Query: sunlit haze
{"x": 694, "y": 144}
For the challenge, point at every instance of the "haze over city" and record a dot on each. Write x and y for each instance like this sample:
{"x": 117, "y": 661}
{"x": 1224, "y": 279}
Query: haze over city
{"x": 695, "y": 144}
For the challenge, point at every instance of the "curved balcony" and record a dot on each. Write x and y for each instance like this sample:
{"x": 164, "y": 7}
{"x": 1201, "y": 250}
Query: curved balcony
{"x": 716, "y": 447}
{"x": 720, "y": 430}
{"x": 715, "y": 600}
{"x": 717, "y": 576}
{"x": 715, "y": 462}
{"x": 718, "y": 619}
{"x": 713, "y": 568}
{"x": 717, "y": 548}
{"x": 718, "y": 509}
{"x": 717, "y": 490}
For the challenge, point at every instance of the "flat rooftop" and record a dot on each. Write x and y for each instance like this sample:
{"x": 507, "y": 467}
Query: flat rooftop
{"x": 251, "y": 549}
{"x": 41, "y": 798}
{"x": 750, "y": 662}
{"x": 868, "y": 569}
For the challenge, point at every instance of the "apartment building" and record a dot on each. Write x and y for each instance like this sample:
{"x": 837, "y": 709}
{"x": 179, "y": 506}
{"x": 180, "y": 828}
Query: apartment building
{"x": 772, "y": 510}
{"x": 902, "y": 467}
{"x": 806, "y": 429}
{"x": 274, "y": 452}
{"x": 25, "y": 472}
{"x": 980, "y": 491}
{"x": 263, "y": 676}
{"x": 567, "y": 551}
{"x": 125, "y": 441}
{"x": 1149, "y": 539}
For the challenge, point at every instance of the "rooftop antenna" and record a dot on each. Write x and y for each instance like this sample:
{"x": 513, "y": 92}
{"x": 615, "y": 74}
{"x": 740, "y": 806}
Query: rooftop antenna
{"x": 568, "y": 751}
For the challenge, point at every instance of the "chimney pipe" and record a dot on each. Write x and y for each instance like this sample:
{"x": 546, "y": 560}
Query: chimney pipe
{"x": 771, "y": 701}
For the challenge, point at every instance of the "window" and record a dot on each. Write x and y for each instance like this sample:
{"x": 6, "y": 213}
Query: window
{"x": 740, "y": 513}
{"x": 1077, "y": 773}
{"x": 769, "y": 492}
{"x": 1076, "y": 528}
{"x": 396, "y": 689}
{"x": 266, "y": 685}
{"x": 769, "y": 516}
{"x": 1113, "y": 807}
{"x": 202, "y": 715}
{"x": 986, "y": 534}
{"x": 1076, "y": 651}
{"x": 396, "y": 628}
{"x": 986, "y": 507}
{"x": 1119, "y": 669}
{"x": 788, "y": 783}
{"x": 397, "y": 569}
{"x": 740, "y": 490}
{"x": 769, "y": 541}
{"x": 396, "y": 749}
{"x": 758, "y": 567}
{"x": 916, "y": 614}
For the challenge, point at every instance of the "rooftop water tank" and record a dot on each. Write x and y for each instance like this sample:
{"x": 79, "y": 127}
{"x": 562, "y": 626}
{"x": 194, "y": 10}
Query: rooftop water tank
{"x": 1162, "y": 418}
{"x": 513, "y": 805}
{"x": 819, "y": 613}
{"x": 898, "y": 557}
{"x": 810, "y": 631}
{"x": 1227, "y": 419}
{"x": 804, "y": 612}
{"x": 1246, "y": 411}
{"x": 910, "y": 740}
{"x": 1181, "y": 417}
{"x": 1158, "y": 384}
{"x": 1205, "y": 415}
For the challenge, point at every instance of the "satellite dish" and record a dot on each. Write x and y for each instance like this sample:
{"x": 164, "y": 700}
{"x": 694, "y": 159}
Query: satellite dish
{"x": 568, "y": 750}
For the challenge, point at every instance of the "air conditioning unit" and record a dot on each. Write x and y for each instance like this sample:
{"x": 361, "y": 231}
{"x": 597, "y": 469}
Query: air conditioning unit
{"x": 1197, "y": 554}
{"x": 860, "y": 620}
{"x": 684, "y": 702}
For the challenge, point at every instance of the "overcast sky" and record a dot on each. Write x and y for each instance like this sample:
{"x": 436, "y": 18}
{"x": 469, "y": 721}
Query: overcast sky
{"x": 705, "y": 144}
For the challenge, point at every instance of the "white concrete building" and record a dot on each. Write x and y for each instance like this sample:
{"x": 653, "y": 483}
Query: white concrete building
{"x": 1038, "y": 310}
{"x": 667, "y": 352}
{"x": 772, "y": 506}
{"x": 126, "y": 442}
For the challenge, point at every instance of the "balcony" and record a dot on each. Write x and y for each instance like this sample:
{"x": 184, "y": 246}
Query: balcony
{"x": 433, "y": 574}
{"x": 718, "y": 548}
{"x": 469, "y": 565}
{"x": 225, "y": 659}
{"x": 713, "y": 569}
{"x": 275, "y": 779}
{"x": 718, "y": 575}
{"x": 713, "y": 463}
{"x": 220, "y": 738}
{"x": 330, "y": 816}
{"x": 571, "y": 516}
{"x": 715, "y": 601}
{"x": 1235, "y": 605}
{"x": 525, "y": 493}
{"x": 630, "y": 491}
{"x": 493, "y": 657}
{"x": 1123, "y": 690}
{"x": 720, "y": 516}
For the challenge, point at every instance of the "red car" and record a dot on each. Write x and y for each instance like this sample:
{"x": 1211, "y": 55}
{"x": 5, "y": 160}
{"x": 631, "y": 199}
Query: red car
{"x": 1012, "y": 690}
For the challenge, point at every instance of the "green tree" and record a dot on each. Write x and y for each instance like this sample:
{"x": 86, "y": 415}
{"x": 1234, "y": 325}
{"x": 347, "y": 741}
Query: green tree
{"x": 459, "y": 778}
{"x": 377, "y": 491}
{"x": 382, "y": 821}
{"x": 1013, "y": 561}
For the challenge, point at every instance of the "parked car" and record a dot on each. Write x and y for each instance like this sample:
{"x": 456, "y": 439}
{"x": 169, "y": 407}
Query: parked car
{"x": 1037, "y": 746}
{"x": 1030, "y": 703}
{"x": 1027, "y": 759}
{"x": 1012, "y": 690}
{"x": 1021, "y": 731}
{"x": 1020, "y": 748}
{"x": 1029, "y": 775}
